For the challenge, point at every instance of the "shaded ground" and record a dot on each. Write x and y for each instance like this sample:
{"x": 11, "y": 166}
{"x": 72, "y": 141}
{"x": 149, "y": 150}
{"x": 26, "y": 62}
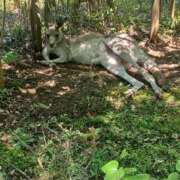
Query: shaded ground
{"x": 57, "y": 123}
{"x": 71, "y": 89}
{"x": 78, "y": 90}
{"x": 65, "y": 90}
{"x": 66, "y": 122}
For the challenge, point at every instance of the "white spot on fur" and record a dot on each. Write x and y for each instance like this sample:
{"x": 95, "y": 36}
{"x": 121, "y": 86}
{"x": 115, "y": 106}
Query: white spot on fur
{"x": 112, "y": 61}
{"x": 82, "y": 46}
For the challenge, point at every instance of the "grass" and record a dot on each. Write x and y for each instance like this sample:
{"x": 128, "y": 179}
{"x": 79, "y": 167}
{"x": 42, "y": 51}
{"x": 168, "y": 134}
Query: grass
{"x": 73, "y": 129}
{"x": 62, "y": 146}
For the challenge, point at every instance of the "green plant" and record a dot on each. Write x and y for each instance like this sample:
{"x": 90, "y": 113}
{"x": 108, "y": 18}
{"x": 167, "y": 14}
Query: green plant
{"x": 3, "y": 94}
{"x": 20, "y": 139}
{"x": 15, "y": 155}
{"x": 18, "y": 33}
{"x": 10, "y": 57}
{"x": 114, "y": 172}
{"x": 175, "y": 175}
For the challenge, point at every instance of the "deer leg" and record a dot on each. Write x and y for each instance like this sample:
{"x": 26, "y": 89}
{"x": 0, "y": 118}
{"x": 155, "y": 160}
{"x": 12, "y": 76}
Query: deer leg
{"x": 52, "y": 62}
{"x": 152, "y": 67}
{"x": 149, "y": 78}
{"x": 120, "y": 71}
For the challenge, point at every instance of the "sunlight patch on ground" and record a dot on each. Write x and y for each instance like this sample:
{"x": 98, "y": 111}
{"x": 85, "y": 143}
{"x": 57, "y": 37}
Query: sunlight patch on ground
{"x": 116, "y": 103}
{"x": 176, "y": 90}
{"x": 8, "y": 66}
{"x": 45, "y": 71}
{"x": 65, "y": 89}
{"x": 171, "y": 99}
{"x": 156, "y": 53}
{"x": 50, "y": 83}
{"x": 141, "y": 97}
{"x": 116, "y": 97}
{"x": 31, "y": 91}
{"x": 169, "y": 66}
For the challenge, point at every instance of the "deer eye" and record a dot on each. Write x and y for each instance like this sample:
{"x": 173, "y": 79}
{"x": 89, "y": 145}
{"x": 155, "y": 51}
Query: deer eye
{"x": 48, "y": 36}
{"x": 57, "y": 35}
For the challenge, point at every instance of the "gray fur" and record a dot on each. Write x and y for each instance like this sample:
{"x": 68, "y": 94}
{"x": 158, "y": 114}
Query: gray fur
{"x": 115, "y": 54}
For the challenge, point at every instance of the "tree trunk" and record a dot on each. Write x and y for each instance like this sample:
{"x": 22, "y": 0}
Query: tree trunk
{"x": 17, "y": 4}
{"x": 172, "y": 9}
{"x": 155, "y": 16}
{"x": 35, "y": 26}
{"x": 46, "y": 12}
{"x": 1, "y": 76}
{"x": 1, "y": 43}
{"x": 3, "y": 23}
{"x": 49, "y": 6}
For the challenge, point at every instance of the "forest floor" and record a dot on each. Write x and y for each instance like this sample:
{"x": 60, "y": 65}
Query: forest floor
{"x": 69, "y": 120}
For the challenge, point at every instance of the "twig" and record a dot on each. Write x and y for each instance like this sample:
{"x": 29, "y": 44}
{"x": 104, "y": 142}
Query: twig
{"x": 44, "y": 137}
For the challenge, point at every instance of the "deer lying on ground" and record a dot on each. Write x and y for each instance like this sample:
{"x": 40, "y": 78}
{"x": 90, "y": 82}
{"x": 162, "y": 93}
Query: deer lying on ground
{"x": 119, "y": 54}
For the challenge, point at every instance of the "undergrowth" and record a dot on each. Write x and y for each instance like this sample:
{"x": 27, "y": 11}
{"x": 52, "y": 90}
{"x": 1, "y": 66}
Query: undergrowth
{"x": 63, "y": 147}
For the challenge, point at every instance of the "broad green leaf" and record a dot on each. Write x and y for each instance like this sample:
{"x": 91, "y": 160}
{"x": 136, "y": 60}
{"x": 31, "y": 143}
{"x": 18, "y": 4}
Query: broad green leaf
{"x": 110, "y": 167}
{"x": 116, "y": 175}
{"x": 130, "y": 170}
{"x": 178, "y": 166}
{"x": 173, "y": 176}
{"x": 121, "y": 173}
{"x": 138, "y": 177}
{"x": 112, "y": 176}
{"x": 10, "y": 57}
{"x": 124, "y": 153}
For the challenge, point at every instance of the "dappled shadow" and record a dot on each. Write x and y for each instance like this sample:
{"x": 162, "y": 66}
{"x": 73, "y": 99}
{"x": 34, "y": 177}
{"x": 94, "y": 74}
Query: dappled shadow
{"x": 82, "y": 110}
{"x": 78, "y": 115}
{"x": 41, "y": 92}
{"x": 167, "y": 55}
